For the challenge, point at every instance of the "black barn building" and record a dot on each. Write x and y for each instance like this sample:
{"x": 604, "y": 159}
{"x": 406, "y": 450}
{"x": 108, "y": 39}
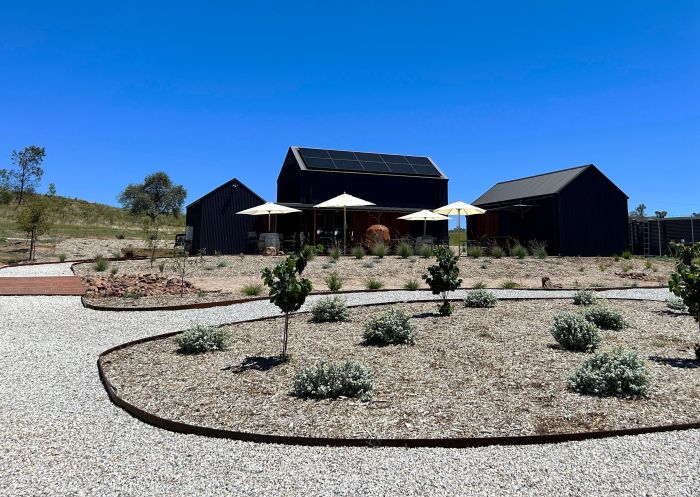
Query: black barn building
{"x": 396, "y": 184}
{"x": 576, "y": 211}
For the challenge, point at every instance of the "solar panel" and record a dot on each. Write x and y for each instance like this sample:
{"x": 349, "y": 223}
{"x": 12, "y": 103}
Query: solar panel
{"x": 343, "y": 160}
{"x": 348, "y": 165}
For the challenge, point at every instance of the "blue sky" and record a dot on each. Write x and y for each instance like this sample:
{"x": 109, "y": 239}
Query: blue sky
{"x": 490, "y": 90}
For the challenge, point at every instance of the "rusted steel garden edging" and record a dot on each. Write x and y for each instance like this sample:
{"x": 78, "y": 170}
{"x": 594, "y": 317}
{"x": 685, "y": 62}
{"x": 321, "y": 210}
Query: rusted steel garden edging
{"x": 222, "y": 303}
{"x": 190, "y": 429}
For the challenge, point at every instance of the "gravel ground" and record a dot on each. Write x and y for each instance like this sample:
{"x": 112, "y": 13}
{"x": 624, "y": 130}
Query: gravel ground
{"x": 58, "y": 269}
{"x": 61, "y": 435}
{"x": 478, "y": 372}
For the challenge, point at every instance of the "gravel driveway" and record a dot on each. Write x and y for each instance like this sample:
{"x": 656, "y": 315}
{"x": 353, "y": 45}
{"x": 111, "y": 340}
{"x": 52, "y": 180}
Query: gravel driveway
{"x": 60, "y": 435}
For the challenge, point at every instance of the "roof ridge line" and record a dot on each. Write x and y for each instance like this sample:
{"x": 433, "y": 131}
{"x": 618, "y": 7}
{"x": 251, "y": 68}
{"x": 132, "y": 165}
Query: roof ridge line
{"x": 545, "y": 174}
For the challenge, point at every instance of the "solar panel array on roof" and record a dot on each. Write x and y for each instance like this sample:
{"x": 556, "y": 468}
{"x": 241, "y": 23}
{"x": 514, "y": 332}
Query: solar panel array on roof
{"x": 341, "y": 160}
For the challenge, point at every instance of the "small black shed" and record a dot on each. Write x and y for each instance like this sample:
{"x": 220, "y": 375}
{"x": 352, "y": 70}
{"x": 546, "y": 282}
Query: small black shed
{"x": 212, "y": 222}
{"x": 576, "y": 211}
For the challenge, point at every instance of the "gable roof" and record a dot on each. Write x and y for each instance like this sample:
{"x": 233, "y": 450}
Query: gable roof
{"x": 235, "y": 183}
{"x": 346, "y": 161}
{"x": 531, "y": 186}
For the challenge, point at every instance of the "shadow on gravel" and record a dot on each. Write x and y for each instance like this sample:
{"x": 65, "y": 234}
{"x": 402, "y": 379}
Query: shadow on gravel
{"x": 676, "y": 362}
{"x": 673, "y": 314}
{"x": 257, "y": 363}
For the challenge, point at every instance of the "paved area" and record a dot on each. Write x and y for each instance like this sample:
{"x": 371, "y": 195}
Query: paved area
{"x": 41, "y": 285}
{"x": 60, "y": 435}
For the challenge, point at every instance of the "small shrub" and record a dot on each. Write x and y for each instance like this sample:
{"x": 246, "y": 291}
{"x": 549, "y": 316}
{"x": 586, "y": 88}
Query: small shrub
{"x": 61, "y": 257}
{"x": 475, "y": 251}
{"x": 480, "y": 298}
{"x": 411, "y": 284}
{"x": 221, "y": 264}
{"x": 538, "y": 249}
{"x": 518, "y": 251}
{"x": 509, "y": 285}
{"x": 443, "y": 277}
{"x": 648, "y": 264}
{"x": 404, "y": 250}
{"x": 252, "y": 290}
{"x": 100, "y": 264}
{"x": 358, "y": 252}
{"x": 373, "y": 284}
{"x": 379, "y": 250}
{"x": 334, "y": 253}
{"x": 392, "y": 326}
{"x": 203, "y": 339}
{"x": 334, "y": 282}
{"x": 626, "y": 267}
{"x": 574, "y": 332}
{"x": 330, "y": 309}
{"x": 497, "y": 252}
{"x": 605, "y": 318}
{"x": 113, "y": 271}
{"x": 585, "y": 297}
{"x": 330, "y": 381}
{"x": 605, "y": 374}
{"x": 627, "y": 254}
{"x": 161, "y": 266}
{"x": 425, "y": 252}
{"x": 676, "y": 303}
{"x": 120, "y": 236}
{"x": 479, "y": 285}
{"x": 308, "y": 252}
{"x": 616, "y": 258}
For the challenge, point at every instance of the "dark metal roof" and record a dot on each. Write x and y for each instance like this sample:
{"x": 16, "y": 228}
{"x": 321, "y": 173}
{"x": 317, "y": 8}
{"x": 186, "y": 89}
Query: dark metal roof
{"x": 532, "y": 186}
{"x": 233, "y": 183}
{"x": 346, "y": 161}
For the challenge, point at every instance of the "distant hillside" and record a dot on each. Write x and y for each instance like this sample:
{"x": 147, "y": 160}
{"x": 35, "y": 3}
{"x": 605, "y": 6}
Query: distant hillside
{"x": 77, "y": 218}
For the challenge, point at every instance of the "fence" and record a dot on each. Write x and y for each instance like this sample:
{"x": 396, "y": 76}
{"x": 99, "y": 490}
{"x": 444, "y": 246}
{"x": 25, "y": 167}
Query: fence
{"x": 652, "y": 236}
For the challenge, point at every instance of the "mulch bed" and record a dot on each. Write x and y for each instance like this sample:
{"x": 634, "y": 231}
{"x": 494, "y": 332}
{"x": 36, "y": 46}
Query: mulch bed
{"x": 480, "y": 372}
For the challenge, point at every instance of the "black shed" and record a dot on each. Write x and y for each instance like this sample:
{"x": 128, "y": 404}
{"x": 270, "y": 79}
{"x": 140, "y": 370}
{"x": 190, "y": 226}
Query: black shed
{"x": 576, "y": 211}
{"x": 212, "y": 222}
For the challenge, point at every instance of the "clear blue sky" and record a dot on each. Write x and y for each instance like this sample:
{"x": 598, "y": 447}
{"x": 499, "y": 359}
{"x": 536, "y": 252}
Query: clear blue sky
{"x": 491, "y": 91}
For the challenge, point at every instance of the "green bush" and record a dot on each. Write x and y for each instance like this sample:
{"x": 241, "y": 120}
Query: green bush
{"x": 605, "y": 318}
{"x": 480, "y": 298}
{"x": 518, "y": 251}
{"x": 404, "y": 250}
{"x": 373, "y": 284}
{"x": 61, "y": 257}
{"x": 113, "y": 271}
{"x": 411, "y": 284}
{"x": 574, "y": 332}
{"x": 538, "y": 249}
{"x": 425, "y": 252}
{"x": 330, "y": 381}
{"x": 392, "y": 326}
{"x": 252, "y": 290}
{"x": 308, "y": 252}
{"x": 379, "y": 250}
{"x": 358, "y": 252}
{"x": 330, "y": 309}
{"x": 334, "y": 282}
{"x": 475, "y": 251}
{"x": 676, "y": 303}
{"x": 479, "y": 285}
{"x": 605, "y": 374}
{"x": 100, "y": 264}
{"x": 161, "y": 266}
{"x": 585, "y": 297}
{"x": 509, "y": 285}
{"x": 685, "y": 279}
{"x": 497, "y": 252}
{"x": 443, "y": 277}
{"x": 201, "y": 338}
{"x": 627, "y": 254}
{"x": 334, "y": 253}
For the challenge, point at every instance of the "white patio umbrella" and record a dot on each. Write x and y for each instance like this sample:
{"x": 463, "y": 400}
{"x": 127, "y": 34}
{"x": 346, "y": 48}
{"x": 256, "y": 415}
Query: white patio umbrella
{"x": 459, "y": 208}
{"x": 424, "y": 216}
{"x": 343, "y": 201}
{"x": 268, "y": 208}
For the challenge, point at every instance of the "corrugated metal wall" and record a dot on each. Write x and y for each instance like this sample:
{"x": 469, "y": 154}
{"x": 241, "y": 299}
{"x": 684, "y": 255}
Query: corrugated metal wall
{"x": 661, "y": 232}
{"x": 216, "y": 226}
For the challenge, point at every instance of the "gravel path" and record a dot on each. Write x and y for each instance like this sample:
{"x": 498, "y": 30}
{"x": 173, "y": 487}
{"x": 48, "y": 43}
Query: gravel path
{"x": 61, "y": 435}
{"x": 58, "y": 269}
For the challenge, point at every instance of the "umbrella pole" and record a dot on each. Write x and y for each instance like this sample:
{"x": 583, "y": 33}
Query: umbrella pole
{"x": 459, "y": 235}
{"x": 466, "y": 232}
{"x": 425, "y": 222}
{"x": 345, "y": 227}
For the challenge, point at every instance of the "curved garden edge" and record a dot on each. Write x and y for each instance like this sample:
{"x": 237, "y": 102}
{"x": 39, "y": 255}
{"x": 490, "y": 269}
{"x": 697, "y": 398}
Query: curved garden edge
{"x": 223, "y": 303}
{"x": 191, "y": 429}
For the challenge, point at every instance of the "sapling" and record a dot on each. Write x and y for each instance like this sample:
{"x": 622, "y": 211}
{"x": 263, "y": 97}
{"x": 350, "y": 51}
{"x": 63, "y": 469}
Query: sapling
{"x": 443, "y": 277}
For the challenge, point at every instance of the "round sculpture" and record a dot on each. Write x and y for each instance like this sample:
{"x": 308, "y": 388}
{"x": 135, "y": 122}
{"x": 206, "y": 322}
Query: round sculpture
{"x": 377, "y": 233}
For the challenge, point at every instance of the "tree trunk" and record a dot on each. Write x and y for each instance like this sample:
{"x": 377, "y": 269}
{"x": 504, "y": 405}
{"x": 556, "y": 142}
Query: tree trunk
{"x": 32, "y": 245}
{"x": 286, "y": 335}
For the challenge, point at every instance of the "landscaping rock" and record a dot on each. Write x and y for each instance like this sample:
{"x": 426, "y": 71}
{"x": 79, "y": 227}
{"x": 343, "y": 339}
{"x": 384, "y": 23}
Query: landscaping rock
{"x": 132, "y": 285}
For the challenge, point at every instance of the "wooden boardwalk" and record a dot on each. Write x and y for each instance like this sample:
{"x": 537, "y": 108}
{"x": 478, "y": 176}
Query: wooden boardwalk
{"x": 41, "y": 285}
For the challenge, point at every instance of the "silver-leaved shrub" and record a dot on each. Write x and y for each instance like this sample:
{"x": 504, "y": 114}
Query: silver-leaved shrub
{"x": 332, "y": 380}
{"x": 585, "y": 297}
{"x": 480, "y": 298}
{"x": 201, "y": 338}
{"x": 605, "y": 318}
{"x": 618, "y": 372}
{"x": 330, "y": 309}
{"x": 392, "y": 326}
{"x": 574, "y": 332}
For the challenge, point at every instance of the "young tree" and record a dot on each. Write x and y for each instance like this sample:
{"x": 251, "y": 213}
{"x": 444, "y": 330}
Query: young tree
{"x": 685, "y": 280}
{"x": 660, "y": 214}
{"x": 51, "y": 191}
{"x": 5, "y": 190}
{"x": 183, "y": 264}
{"x": 155, "y": 197}
{"x": 34, "y": 220}
{"x": 639, "y": 212}
{"x": 29, "y": 172}
{"x": 288, "y": 290}
{"x": 443, "y": 277}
